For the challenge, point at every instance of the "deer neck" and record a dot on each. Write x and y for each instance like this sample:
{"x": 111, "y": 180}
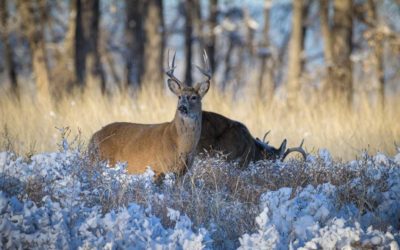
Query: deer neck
{"x": 188, "y": 129}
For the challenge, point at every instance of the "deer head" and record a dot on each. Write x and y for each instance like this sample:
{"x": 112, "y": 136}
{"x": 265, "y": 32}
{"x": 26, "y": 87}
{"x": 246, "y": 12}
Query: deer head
{"x": 280, "y": 153}
{"x": 190, "y": 97}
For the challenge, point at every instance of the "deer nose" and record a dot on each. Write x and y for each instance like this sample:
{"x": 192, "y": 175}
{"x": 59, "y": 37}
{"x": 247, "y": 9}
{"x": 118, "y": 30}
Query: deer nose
{"x": 183, "y": 109}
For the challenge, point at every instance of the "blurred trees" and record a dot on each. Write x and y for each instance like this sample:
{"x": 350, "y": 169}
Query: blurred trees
{"x": 342, "y": 77}
{"x": 190, "y": 16}
{"x": 154, "y": 42}
{"x": 210, "y": 35}
{"x": 144, "y": 39}
{"x": 32, "y": 15}
{"x": 371, "y": 18}
{"x": 327, "y": 42}
{"x": 65, "y": 69}
{"x": 295, "y": 52}
{"x": 338, "y": 46}
{"x": 9, "y": 64}
{"x": 297, "y": 49}
{"x": 88, "y": 65}
{"x": 266, "y": 86}
{"x": 134, "y": 41}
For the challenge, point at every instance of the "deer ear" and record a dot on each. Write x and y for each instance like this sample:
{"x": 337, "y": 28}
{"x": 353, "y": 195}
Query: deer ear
{"x": 282, "y": 148}
{"x": 202, "y": 88}
{"x": 174, "y": 86}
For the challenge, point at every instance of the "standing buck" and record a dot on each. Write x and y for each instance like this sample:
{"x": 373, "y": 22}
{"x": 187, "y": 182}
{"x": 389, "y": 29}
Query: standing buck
{"x": 166, "y": 147}
{"x": 234, "y": 140}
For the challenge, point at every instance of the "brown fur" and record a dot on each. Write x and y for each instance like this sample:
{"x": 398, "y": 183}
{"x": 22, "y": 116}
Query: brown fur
{"x": 165, "y": 147}
{"x": 234, "y": 140}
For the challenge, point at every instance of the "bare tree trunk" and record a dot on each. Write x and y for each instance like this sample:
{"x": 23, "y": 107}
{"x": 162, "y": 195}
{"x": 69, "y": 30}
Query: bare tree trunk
{"x": 69, "y": 43}
{"x": 190, "y": 12}
{"x": 87, "y": 57}
{"x": 228, "y": 64}
{"x": 80, "y": 46}
{"x": 306, "y": 8}
{"x": 198, "y": 26}
{"x": 134, "y": 40}
{"x": 378, "y": 53}
{"x": 380, "y": 74}
{"x": 327, "y": 40}
{"x": 8, "y": 53}
{"x": 33, "y": 29}
{"x": 266, "y": 86}
{"x": 154, "y": 43}
{"x": 342, "y": 48}
{"x": 326, "y": 31}
{"x": 212, "y": 38}
{"x": 295, "y": 52}
{"x": 64, "y": 71}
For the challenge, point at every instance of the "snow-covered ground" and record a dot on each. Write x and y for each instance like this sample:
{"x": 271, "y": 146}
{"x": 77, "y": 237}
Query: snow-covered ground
{"x": 61, "y": 201}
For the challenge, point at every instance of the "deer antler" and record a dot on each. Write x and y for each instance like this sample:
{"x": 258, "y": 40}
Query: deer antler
{"x": 265, "y": 136}
{"x": 170, "y": 71}
{"x": 207, "y": 70}
{"x": 295, "y": 149}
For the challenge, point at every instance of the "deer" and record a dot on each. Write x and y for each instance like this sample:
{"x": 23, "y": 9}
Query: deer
{"x": 165, "y": 147}
{"x": 232, "y": 139}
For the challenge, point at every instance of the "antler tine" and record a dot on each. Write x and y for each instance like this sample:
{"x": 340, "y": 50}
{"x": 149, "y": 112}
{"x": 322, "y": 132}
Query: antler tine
{"x": 296, "y": 149}
{"x": 207, "y": 70}
{"x": 171, "y": 68}
{"x": 265, "y": 136}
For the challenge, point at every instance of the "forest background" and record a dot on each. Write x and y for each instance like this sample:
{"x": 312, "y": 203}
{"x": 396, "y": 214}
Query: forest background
{"x": 326, "y": 71}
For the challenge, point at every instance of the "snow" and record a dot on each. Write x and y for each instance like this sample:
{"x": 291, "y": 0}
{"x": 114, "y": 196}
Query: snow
{"x": 66, "y": 220}
{"x": 397, "y": 158}
{"x": 60, "y": 200}
{"x": 311, "y": 221}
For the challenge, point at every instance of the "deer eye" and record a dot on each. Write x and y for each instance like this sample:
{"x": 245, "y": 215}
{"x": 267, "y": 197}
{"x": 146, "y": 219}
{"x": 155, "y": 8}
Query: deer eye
{"x": 179, "y": 97}
{"x": 193, "y": 98}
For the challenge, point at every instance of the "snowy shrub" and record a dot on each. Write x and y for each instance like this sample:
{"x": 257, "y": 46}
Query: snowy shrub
{"x": 63, "y": 200}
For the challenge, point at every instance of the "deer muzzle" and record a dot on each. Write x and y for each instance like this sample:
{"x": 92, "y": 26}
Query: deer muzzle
{"x": 183, "y": 109}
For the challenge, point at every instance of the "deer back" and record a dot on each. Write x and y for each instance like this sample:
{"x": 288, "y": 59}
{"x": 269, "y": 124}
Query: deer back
{"x": 233, "y": 139}
{"x": 140, "y": 145}
{"x": 226, "y": 136}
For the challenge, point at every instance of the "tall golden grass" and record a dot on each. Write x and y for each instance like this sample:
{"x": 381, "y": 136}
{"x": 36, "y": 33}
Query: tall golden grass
{"x": 27, "y": 126}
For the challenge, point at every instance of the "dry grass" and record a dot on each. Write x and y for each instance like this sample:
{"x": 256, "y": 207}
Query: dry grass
{"x": 28, "y": 127}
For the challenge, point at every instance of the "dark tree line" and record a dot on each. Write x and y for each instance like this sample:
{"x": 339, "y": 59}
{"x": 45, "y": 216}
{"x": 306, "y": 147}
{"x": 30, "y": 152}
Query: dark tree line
{"x": 68, "y": 47}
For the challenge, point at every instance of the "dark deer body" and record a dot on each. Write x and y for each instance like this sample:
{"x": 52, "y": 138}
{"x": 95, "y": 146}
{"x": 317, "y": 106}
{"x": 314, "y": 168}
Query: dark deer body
{"x": 233, "y": 139}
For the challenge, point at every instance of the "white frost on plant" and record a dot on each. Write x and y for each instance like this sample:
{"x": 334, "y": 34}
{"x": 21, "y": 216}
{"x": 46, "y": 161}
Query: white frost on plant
{"x": 397, "y": 158}
{"x": 267, "y": 237}
{"x": 79, "y": 208}
{"x": 338, "y": 236}
{"x": 173, "y": 214}
{"x": 325, "y": 156}
{"x": 71, "y": 219}
{"x": 381, "y": 159}
{"x": 3, "y": 159}
{"x": 312, "y": 219}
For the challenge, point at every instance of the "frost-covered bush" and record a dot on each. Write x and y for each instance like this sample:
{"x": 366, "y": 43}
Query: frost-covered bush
{"x": 63, "y": 200}
{"x": 82, "y": 206}
{"x": 312, "y": 220}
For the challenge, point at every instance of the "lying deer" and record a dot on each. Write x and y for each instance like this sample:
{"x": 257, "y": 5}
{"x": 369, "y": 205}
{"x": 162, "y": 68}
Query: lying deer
{"x": 233, "y": 139}
{"x": 166, "y": 147}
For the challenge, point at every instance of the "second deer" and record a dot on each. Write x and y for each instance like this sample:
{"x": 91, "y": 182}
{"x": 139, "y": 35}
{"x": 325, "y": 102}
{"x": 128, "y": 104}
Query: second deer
{"x": 232, "y": 138}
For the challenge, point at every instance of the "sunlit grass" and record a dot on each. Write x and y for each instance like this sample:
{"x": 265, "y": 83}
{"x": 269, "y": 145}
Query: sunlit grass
{"x": 28, "y": 127}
